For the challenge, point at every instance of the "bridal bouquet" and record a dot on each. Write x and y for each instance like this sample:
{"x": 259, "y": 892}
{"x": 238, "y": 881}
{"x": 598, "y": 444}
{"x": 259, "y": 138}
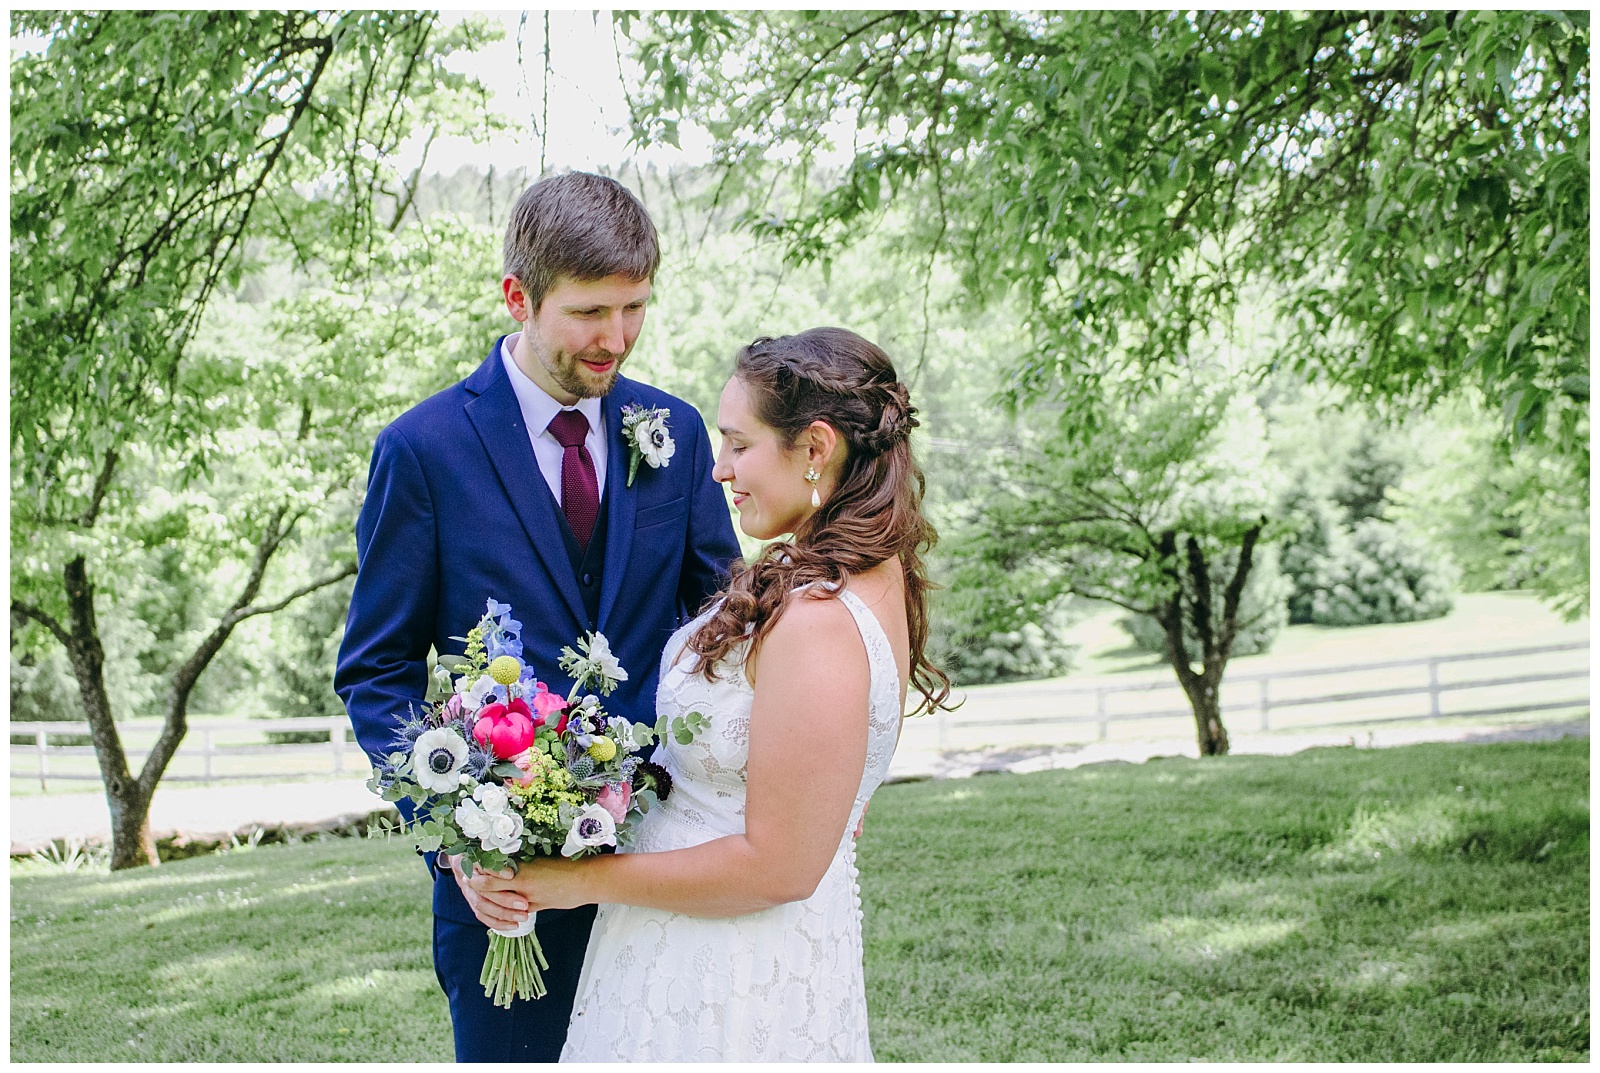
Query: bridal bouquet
{"x": 501, "y": 770}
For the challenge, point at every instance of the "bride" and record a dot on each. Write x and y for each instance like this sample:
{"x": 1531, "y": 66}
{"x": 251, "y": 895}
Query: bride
{"x": 732, "y": 929}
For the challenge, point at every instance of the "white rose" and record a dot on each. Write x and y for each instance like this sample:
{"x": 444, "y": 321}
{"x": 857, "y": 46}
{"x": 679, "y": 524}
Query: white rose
{"x": 473, "y": 821}
{"x": 437, "y": 758}
{"x": 592, "y": 827}
{"x": 493, "y": 798}
{"x": 655, "y": 442}
{"x": 505, "y": 832}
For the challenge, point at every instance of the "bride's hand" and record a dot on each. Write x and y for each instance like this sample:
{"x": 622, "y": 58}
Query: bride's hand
{"x": 497, "y": 909}
{"x": 544, "y": 883}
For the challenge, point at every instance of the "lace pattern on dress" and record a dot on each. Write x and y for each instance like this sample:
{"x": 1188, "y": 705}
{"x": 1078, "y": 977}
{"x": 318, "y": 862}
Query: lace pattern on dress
{"x": 784, "y": 984}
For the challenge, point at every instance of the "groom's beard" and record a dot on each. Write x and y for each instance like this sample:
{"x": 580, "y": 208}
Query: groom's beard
{"x": 574, "y": 376}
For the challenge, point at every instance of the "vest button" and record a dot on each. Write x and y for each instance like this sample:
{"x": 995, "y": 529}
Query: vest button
{"x": 588, "y": 580}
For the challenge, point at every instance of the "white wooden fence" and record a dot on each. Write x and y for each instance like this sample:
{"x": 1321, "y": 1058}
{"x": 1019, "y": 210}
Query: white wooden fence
{"x": 1267, "y": 692}
{"x": 205, "y": 747}
{"x": 205, "y": 752}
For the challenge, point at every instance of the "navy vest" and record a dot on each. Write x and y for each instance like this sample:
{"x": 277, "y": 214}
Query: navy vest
{"x": 587, "y": 564}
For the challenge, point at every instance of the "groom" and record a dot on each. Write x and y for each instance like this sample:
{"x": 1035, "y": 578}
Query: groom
{"x": 513, "y": 484}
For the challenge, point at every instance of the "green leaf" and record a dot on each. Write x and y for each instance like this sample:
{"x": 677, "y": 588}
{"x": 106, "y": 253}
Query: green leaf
{"x": 429, "y": 836}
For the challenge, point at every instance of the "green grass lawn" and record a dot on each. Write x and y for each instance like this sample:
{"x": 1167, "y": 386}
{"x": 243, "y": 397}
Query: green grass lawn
{"x": 1334, "y": 905}
{"x": 1479, "y": 622}
{"x": 306, "y": 953}
{"x": 1428, "y": 903}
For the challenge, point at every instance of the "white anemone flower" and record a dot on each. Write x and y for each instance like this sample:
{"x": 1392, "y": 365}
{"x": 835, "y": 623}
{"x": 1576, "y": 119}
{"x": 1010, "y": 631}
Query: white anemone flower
{"x": 655, "y": 442}
{"x": 474, "y": 696}
{"x": 437, "y": 759}
{"x": 592, "y": 827}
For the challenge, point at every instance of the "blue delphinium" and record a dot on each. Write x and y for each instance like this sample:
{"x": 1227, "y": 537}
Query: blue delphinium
{"x": 504, "y": 634}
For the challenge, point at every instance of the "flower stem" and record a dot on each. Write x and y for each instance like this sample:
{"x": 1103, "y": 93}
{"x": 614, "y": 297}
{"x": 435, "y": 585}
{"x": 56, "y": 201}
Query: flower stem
{"x": 511, "y": 969}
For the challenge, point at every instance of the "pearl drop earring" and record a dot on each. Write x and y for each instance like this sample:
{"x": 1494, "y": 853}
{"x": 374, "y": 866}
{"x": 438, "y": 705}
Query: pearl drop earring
{"x": 813, "y": 476}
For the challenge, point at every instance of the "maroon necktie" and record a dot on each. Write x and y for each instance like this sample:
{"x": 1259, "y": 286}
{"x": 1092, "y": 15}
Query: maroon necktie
{"x": 580, "y": 492}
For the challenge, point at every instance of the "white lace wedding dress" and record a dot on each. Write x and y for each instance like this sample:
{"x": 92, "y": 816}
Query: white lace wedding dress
{"x": 784, "y": 984}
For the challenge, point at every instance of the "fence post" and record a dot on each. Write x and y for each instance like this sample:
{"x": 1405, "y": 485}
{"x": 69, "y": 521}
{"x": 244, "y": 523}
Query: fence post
{"x": 205, "y": 751}
{"x": 1433, "y": 687}
{"x": 39, "y": 740}
{"x": 1265, "y": 703}
{"x": 1100, "y": 712}
{"x": 336, "y": 742}
{"x": 944, "y": 728}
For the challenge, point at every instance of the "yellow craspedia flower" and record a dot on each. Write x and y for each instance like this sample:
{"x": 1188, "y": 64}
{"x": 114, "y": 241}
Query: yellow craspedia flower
{"x": 603, "y": 749}
{"x": 505, "y": 669}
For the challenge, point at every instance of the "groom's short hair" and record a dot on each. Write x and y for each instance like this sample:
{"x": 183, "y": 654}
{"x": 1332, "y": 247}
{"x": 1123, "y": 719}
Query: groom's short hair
{"x": 578, "y": 226}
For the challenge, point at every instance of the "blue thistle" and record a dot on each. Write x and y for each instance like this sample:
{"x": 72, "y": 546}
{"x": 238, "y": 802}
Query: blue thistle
{"x": 409, "y": 730}
{"x": 479, "y": 761}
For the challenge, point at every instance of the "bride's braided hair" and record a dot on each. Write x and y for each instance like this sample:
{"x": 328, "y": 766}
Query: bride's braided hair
{"x": 875, "y": 513}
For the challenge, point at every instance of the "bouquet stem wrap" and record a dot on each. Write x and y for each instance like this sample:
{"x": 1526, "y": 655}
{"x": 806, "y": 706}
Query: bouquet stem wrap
{"x": 511, "y": 969}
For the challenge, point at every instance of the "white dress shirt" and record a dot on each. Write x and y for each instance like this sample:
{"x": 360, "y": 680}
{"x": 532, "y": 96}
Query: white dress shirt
{"x": 539, "y": 409}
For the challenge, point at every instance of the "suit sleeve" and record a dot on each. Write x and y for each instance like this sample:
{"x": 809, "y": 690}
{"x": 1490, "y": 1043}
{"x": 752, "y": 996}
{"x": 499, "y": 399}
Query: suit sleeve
{"x": 383, "y": 659}
{"x": 712, "y": 546}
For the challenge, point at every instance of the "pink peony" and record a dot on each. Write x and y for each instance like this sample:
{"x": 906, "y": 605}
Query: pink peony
{"x": 546, "y": 703}
{"x": 507, "y": 729}
{"x": 614, "y": 799}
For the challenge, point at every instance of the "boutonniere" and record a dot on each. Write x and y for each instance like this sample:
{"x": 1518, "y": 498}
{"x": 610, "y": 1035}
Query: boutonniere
{"x": 645, "y": 429}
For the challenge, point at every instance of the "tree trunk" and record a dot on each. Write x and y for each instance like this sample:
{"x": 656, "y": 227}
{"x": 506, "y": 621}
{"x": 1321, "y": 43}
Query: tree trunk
{"x": 1205, "y": 700}
{"x": 132, "y": 843}
{"x": 1204, "y": 687}
{"x": 126, "y": 797}
{"x": 1200, "y": 687}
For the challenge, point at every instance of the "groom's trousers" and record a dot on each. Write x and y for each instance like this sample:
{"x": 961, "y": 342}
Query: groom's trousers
{"x": 532, "y": 1030}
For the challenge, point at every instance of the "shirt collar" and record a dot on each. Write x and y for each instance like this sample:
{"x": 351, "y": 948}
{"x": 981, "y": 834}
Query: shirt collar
{"x": 538, "y": 408}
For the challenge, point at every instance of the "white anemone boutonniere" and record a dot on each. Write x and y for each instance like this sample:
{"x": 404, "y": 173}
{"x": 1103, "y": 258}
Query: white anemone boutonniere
{"x": 645, "y": 429}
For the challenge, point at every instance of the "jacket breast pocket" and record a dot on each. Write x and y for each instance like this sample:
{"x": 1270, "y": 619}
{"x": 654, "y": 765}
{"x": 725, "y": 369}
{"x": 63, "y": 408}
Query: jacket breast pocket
{"x": 661, "y": 514}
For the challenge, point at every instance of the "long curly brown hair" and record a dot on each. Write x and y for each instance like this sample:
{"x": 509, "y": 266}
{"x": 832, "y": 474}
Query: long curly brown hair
{"x": 875, "y": 513}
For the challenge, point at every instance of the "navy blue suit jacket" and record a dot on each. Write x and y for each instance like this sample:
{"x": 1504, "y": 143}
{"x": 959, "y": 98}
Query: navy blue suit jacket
{"x": 456, "y": 512}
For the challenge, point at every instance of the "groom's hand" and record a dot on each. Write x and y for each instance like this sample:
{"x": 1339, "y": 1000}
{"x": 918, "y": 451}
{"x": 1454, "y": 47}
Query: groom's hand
{"x": 496, "y": 908}
{"x": 862, "y": 822}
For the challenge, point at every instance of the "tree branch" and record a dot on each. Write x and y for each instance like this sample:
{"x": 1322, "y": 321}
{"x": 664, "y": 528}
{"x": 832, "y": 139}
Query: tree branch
{"x": 1234, "y": 594}
{"x": 102, "y": 484}
{"x": 184, "y": 678}
{"x": 410, "y": 188}
{"x": 21, "y": 611}
{"x": 340, "y": 574}
{"x": 1202, "y": 599}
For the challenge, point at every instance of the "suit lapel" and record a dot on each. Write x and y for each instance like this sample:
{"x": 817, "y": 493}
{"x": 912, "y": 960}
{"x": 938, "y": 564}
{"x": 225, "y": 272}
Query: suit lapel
{"x": 497, "y": 417}
{"x": 620, "y": 503}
